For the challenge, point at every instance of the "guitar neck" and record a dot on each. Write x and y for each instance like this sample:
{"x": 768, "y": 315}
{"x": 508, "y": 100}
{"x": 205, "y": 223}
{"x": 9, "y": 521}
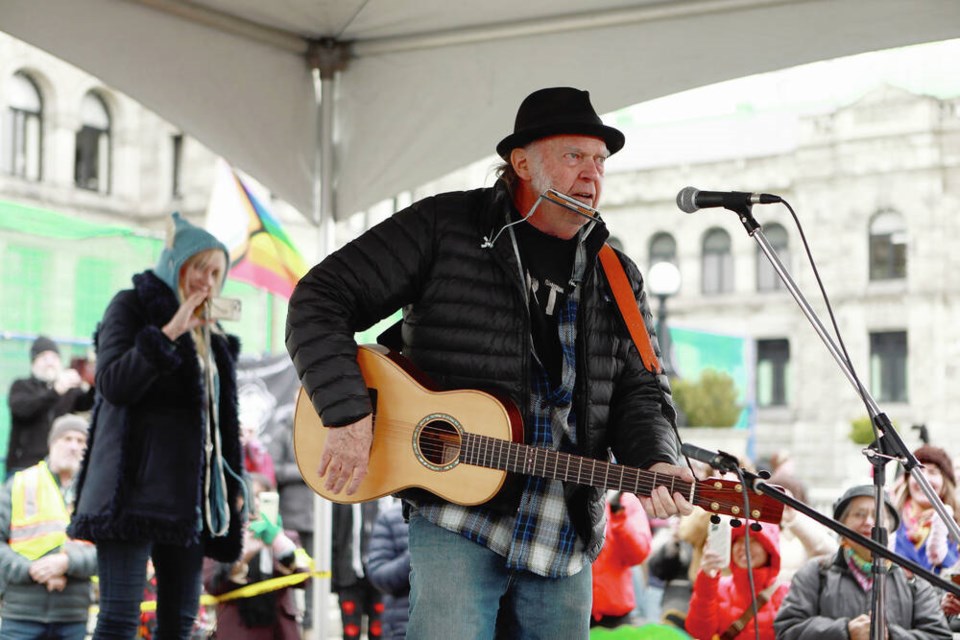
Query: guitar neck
{"x": 494, "y": 453}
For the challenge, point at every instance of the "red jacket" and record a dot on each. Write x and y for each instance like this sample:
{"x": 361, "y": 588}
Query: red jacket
{"x": 627, "y": 544}
{"x": 719, "y": 601}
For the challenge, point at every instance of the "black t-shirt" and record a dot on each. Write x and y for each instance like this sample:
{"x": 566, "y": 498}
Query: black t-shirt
{"x": 548, "y": 265}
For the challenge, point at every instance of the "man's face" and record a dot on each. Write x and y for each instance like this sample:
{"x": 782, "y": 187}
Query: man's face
{"x": 66, "y": 452}
{"x": 572, "y": 165}
{"x": 46, "y": 366}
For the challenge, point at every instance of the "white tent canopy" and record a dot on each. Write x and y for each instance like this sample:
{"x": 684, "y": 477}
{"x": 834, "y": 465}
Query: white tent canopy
{"x": 428, "y": 86}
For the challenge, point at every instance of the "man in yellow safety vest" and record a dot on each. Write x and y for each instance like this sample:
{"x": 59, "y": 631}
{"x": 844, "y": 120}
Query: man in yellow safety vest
{"x": 46, "y": 576}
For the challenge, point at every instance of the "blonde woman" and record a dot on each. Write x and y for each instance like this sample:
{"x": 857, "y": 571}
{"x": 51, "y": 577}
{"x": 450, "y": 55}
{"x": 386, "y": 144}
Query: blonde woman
{"x": 160, "y": 477}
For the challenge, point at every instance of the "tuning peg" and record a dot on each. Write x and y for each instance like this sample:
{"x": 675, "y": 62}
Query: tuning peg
{"x": 764, "y": 474}
{"x": 715, "y": 519}
{"x": 735, "y": 523}
{"x": 755, "y": 526}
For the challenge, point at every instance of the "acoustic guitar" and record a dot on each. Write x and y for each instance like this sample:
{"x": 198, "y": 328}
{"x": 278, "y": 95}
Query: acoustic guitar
{"x": 461, "y": 444}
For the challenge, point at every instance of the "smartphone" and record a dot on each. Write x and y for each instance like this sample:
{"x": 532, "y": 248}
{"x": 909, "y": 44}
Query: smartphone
{"x": 223, "y": 308}
{"x": 269, "y": 505}
{"x": 718, "y": 538}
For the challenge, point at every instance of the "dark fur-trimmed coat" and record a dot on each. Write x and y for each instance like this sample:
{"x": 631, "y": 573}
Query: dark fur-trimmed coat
{"x": 142, "y": 476}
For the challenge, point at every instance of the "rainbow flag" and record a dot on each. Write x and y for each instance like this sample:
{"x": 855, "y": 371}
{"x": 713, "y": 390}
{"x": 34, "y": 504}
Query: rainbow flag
{"x": 261, "y": 252}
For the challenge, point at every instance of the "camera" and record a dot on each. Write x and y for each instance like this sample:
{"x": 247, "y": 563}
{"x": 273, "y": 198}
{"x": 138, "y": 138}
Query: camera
{"x": 223, "y": 308}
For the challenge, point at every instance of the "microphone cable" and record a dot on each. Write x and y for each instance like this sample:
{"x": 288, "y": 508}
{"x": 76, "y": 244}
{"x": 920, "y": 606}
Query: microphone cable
{"x": 861, "y": 390}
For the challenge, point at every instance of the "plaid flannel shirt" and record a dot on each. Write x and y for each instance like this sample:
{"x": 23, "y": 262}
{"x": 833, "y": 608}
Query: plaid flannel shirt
{"x": 540, "y": 537}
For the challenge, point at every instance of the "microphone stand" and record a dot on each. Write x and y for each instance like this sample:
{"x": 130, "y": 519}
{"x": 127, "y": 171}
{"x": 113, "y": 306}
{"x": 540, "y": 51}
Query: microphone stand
{"x": 889, "y": 445}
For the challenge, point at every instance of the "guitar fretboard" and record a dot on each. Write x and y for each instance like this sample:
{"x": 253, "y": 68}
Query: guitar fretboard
{"x": 494, "y": 453}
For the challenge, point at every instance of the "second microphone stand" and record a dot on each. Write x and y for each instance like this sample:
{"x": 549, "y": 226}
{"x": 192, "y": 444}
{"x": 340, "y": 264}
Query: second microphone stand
{"x": 889, "y": 446}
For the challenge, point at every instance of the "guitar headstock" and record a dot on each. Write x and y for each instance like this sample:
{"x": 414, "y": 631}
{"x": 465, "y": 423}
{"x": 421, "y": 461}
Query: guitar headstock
{"x": 722, "y": 496}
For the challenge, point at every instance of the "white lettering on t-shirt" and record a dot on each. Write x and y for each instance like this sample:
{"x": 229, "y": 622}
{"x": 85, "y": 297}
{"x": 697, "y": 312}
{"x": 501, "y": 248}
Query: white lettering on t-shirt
{"x": 555, "y": 290}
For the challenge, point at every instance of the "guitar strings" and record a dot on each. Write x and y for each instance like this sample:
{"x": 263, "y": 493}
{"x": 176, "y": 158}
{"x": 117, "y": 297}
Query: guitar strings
{"x": 444, "y": 444}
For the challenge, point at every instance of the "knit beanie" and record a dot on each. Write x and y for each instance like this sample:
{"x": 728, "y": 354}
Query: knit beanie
{"x": 868, "y": 490}
{"x": 183, "y": 241}
{"x": 41, "y": 344}
{"x": 929, "y": 454}
{"x": 65, "y": 423}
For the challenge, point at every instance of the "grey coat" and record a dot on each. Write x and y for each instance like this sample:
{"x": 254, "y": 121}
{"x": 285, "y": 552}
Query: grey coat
{"x": 824, "y": 596}
{"x": 24, "y": 599}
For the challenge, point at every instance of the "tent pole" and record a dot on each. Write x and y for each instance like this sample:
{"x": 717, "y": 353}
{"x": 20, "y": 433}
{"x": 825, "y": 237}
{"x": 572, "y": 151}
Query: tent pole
{"x": 326, "y": 59}
{"x": 323, "y": 218}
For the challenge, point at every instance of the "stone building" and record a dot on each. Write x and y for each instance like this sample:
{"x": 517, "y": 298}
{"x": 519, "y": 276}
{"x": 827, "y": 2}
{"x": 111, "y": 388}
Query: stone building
{"x": 876, "y": 187}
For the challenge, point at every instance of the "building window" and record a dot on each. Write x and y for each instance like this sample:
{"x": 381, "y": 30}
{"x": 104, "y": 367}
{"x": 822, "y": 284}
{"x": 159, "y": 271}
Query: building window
{"x": 176, "y": 189}
{"x": 717, "y": 263}
{"x": 888, "y": 366}
{"x": 888, "y": 246}
{"x": 767, "y": 278}
{"x": 773, "y": 358}
{"x": 663, "y": 248}
{"x": 21, "y": 135}
{"x": 92, "y": 167}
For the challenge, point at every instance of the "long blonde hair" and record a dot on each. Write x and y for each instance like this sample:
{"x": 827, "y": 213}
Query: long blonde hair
{"x": 200, "y": 259}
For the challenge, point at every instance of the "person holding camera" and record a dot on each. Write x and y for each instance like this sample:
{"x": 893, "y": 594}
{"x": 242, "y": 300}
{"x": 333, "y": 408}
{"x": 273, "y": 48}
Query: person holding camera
{"x": 268, "y": 552}
{"x": 36, "y": 401}
{"x": 161, "y": 478}
{"x": 722, "y": 605}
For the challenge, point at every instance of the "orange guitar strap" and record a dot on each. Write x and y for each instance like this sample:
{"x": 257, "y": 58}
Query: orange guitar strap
{"x": 623, "y": 294}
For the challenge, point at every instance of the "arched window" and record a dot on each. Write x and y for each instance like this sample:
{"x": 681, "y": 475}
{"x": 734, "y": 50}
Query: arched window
{"x": 663, "y": 248}
{"x": 92, "y": 167}
{"x": 767, "y": 278}
{"x": 888, "y": 246}
{"x": 22, "y": 132}
{"x": 717, "y": 263}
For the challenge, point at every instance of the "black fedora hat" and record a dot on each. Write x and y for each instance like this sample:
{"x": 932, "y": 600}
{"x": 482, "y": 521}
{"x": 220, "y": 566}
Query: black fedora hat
{"x": 558, "y": 111}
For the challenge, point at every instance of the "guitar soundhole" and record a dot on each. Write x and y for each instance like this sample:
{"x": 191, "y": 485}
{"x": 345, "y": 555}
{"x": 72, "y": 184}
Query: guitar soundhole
{"x": 439, "y": 443}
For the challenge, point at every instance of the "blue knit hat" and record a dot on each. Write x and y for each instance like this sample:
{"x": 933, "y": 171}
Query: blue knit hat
{"x": 183, "y": 241}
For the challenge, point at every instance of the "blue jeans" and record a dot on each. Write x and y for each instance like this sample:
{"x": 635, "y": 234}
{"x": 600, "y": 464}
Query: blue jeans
{"x": 11, "y": 629}
{"x": 458, "y": 589}
{"x": 123, "y": 573}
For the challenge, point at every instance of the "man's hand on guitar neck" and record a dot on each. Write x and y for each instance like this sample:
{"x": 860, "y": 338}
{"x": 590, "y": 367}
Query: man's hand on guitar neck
{"x": 660, "y": 504}
{"x": 346, "y": 456}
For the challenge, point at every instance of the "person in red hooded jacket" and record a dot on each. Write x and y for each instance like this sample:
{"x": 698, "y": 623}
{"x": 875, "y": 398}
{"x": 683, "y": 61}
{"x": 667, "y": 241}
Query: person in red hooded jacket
{"x": 719, "y": 601}
{"x": 627, "y": 543}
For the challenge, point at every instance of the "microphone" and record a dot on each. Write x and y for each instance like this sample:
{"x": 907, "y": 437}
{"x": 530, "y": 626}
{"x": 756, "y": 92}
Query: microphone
{"x": 691, "y": 199}
{"x": 719, "y": 460}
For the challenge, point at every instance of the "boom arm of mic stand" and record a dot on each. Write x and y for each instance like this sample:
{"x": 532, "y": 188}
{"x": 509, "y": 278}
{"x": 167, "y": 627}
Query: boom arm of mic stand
{"x": 774, "y": 492}
{"x": 889, "y": 441}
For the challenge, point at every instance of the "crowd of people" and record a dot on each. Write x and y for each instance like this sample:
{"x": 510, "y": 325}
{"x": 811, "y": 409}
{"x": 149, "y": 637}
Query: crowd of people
{"x": 151, "y": 480}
